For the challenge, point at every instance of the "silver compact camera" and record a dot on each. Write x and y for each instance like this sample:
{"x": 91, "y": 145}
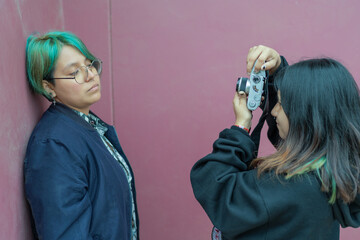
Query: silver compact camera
{"x": 253, "y": 87}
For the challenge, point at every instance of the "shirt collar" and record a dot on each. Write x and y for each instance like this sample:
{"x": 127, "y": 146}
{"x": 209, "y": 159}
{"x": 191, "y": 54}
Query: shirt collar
{"x": 94, "y": 121}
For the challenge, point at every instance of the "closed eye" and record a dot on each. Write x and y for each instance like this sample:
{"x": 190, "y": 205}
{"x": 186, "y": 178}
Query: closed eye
{"x": 88, "y": 63}
{"x": 75, "y": 72}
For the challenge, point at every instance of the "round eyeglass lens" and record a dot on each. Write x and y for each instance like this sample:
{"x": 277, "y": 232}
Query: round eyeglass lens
{"x": 97, "y": 65}
{"x": 82, "y": 73}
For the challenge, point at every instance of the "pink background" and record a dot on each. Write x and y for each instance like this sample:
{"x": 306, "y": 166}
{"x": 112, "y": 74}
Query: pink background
{"x": 170, "y": 69}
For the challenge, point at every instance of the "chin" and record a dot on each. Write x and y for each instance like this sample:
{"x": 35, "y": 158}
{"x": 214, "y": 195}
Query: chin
{"x": 282, "y": 135}
{"x": 92, "y": 101}
{"x": 96, "y": 97}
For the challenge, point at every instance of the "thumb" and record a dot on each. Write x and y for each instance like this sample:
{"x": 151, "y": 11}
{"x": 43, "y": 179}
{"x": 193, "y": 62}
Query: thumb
{"x": 242, "y": 97}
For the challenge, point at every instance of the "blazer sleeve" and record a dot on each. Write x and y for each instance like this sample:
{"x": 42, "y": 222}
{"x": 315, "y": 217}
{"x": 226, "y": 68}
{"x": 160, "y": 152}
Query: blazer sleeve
{"x": 223, "y": 183}
{"x": 56, "y": 188}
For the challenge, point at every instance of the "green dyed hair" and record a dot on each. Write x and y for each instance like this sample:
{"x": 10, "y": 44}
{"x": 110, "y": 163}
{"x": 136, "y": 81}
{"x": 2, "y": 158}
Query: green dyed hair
{"x": 42, "y": 52}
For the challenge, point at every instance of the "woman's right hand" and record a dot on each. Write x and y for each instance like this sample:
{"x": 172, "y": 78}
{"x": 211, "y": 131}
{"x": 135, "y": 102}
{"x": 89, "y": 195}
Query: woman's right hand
{"x": 243, "y": 115}
{"x": 267, "y": 59}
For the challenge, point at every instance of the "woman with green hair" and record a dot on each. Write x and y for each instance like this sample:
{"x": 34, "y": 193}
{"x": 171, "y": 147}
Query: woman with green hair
{"x": 310, "y": 185}
{"x": 78, "y": 181}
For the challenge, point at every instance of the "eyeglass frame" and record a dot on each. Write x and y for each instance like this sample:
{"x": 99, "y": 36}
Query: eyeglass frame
{"x": 87, "y": 71}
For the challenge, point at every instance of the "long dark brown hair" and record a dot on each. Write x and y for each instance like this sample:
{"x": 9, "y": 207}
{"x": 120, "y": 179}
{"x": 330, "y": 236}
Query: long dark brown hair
{"x": 321, "y": 100}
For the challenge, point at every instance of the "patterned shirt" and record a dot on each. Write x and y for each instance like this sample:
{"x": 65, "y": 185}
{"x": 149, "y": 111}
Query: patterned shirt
{"x": 101, "y": 129}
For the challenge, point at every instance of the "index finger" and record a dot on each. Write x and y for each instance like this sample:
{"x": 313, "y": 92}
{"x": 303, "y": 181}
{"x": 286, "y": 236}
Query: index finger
{"x": 253, "y": 55}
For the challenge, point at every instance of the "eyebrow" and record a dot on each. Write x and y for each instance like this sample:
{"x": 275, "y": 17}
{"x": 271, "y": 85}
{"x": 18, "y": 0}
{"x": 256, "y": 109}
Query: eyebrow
{"x": 74, "y": 64}
{"x": 70, "y": 65}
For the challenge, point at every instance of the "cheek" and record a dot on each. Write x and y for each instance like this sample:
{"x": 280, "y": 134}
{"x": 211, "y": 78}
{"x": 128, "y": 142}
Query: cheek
{"x": 72, "y": 87}
{"x": 284, "y": 123}
{"x": 77, "y": 88}
{"x": 287, "y": 127}
{"x": 69, "y": 90}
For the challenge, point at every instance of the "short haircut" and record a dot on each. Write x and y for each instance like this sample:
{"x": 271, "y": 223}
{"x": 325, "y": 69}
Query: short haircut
{"x": 42, "y": 52}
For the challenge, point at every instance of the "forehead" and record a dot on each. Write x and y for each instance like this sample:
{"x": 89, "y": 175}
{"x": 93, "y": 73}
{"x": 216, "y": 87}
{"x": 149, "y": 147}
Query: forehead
{"x": 69, "y": 55}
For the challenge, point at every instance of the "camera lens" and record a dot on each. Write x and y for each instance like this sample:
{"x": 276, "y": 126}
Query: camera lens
{"x": 243, "y": 84}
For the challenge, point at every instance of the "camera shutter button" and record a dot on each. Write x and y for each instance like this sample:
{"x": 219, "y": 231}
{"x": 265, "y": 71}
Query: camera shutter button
{"x": 256, "y": 79}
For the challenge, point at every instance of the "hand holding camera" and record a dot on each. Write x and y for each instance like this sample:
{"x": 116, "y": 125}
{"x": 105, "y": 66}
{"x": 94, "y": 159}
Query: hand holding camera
{"x": 249, "y": 91}
{"x": 262, "y": 58}
{"x": 253, "y": 87}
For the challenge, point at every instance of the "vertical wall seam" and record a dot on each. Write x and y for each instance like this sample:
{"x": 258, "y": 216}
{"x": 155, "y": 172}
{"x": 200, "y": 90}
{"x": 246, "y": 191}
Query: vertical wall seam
{"x": 111, "y": 67}
{"x": 19, "y": 11}
{"x": 62, "y": 15}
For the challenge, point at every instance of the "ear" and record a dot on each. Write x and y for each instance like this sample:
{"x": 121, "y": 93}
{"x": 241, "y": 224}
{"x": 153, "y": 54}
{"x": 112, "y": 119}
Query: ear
{"x": 49, "y": 88}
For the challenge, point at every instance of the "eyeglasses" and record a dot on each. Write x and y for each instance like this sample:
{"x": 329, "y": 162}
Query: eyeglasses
{"x": 81, "y": 74}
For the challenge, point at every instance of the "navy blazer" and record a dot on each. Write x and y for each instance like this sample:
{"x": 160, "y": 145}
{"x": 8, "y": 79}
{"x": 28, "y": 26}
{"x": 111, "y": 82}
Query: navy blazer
{"x": 75, "y": 187}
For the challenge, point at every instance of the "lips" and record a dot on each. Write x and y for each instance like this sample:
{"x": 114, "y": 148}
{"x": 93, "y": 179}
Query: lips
{"x": 94, "y": 87}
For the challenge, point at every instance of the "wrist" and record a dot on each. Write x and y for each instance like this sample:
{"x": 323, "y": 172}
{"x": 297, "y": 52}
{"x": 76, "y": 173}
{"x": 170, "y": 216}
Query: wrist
{"x": 244, "y": 123}
{"x": 242, "y": 127}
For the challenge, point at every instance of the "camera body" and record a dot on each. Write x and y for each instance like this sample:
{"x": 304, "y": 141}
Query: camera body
{"x": 253, "y": 87}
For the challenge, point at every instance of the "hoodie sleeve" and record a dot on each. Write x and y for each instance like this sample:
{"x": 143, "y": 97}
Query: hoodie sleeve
{"x": 222, "y": 183}
{"x": 348, "y": 215}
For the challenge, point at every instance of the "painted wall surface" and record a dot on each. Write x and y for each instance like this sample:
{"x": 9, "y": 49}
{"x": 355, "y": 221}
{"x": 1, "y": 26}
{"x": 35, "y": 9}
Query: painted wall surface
{"x": 170, "y": 69}
{"x": 20, "y": 110}
{"x": 175, "y": 64}
{"x": 90, "y": 20}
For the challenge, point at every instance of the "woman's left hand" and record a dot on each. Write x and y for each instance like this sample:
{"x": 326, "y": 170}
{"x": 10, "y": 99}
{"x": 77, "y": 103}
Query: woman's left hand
{"x": 266, "y": 57}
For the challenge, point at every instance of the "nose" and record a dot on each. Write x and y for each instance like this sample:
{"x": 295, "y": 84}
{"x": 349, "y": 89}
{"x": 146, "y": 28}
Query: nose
{"x": 89, "y": 75}
{"x": 274, "y": 110}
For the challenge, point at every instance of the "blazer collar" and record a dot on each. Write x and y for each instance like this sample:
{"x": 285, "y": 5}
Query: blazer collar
{"x": 61, "y": 108}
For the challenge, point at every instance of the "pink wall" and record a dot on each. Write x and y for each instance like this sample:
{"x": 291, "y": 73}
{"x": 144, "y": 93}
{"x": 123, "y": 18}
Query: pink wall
{"x": 19, "y": 109}
{"x": 168, "y": 82}
{"x": 175, "y": 64}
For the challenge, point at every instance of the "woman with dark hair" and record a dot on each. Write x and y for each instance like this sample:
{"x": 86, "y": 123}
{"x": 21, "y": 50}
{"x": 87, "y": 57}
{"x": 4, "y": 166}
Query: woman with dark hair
{"x": 310, "y": 185}
{"x": 78, "y": 181}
